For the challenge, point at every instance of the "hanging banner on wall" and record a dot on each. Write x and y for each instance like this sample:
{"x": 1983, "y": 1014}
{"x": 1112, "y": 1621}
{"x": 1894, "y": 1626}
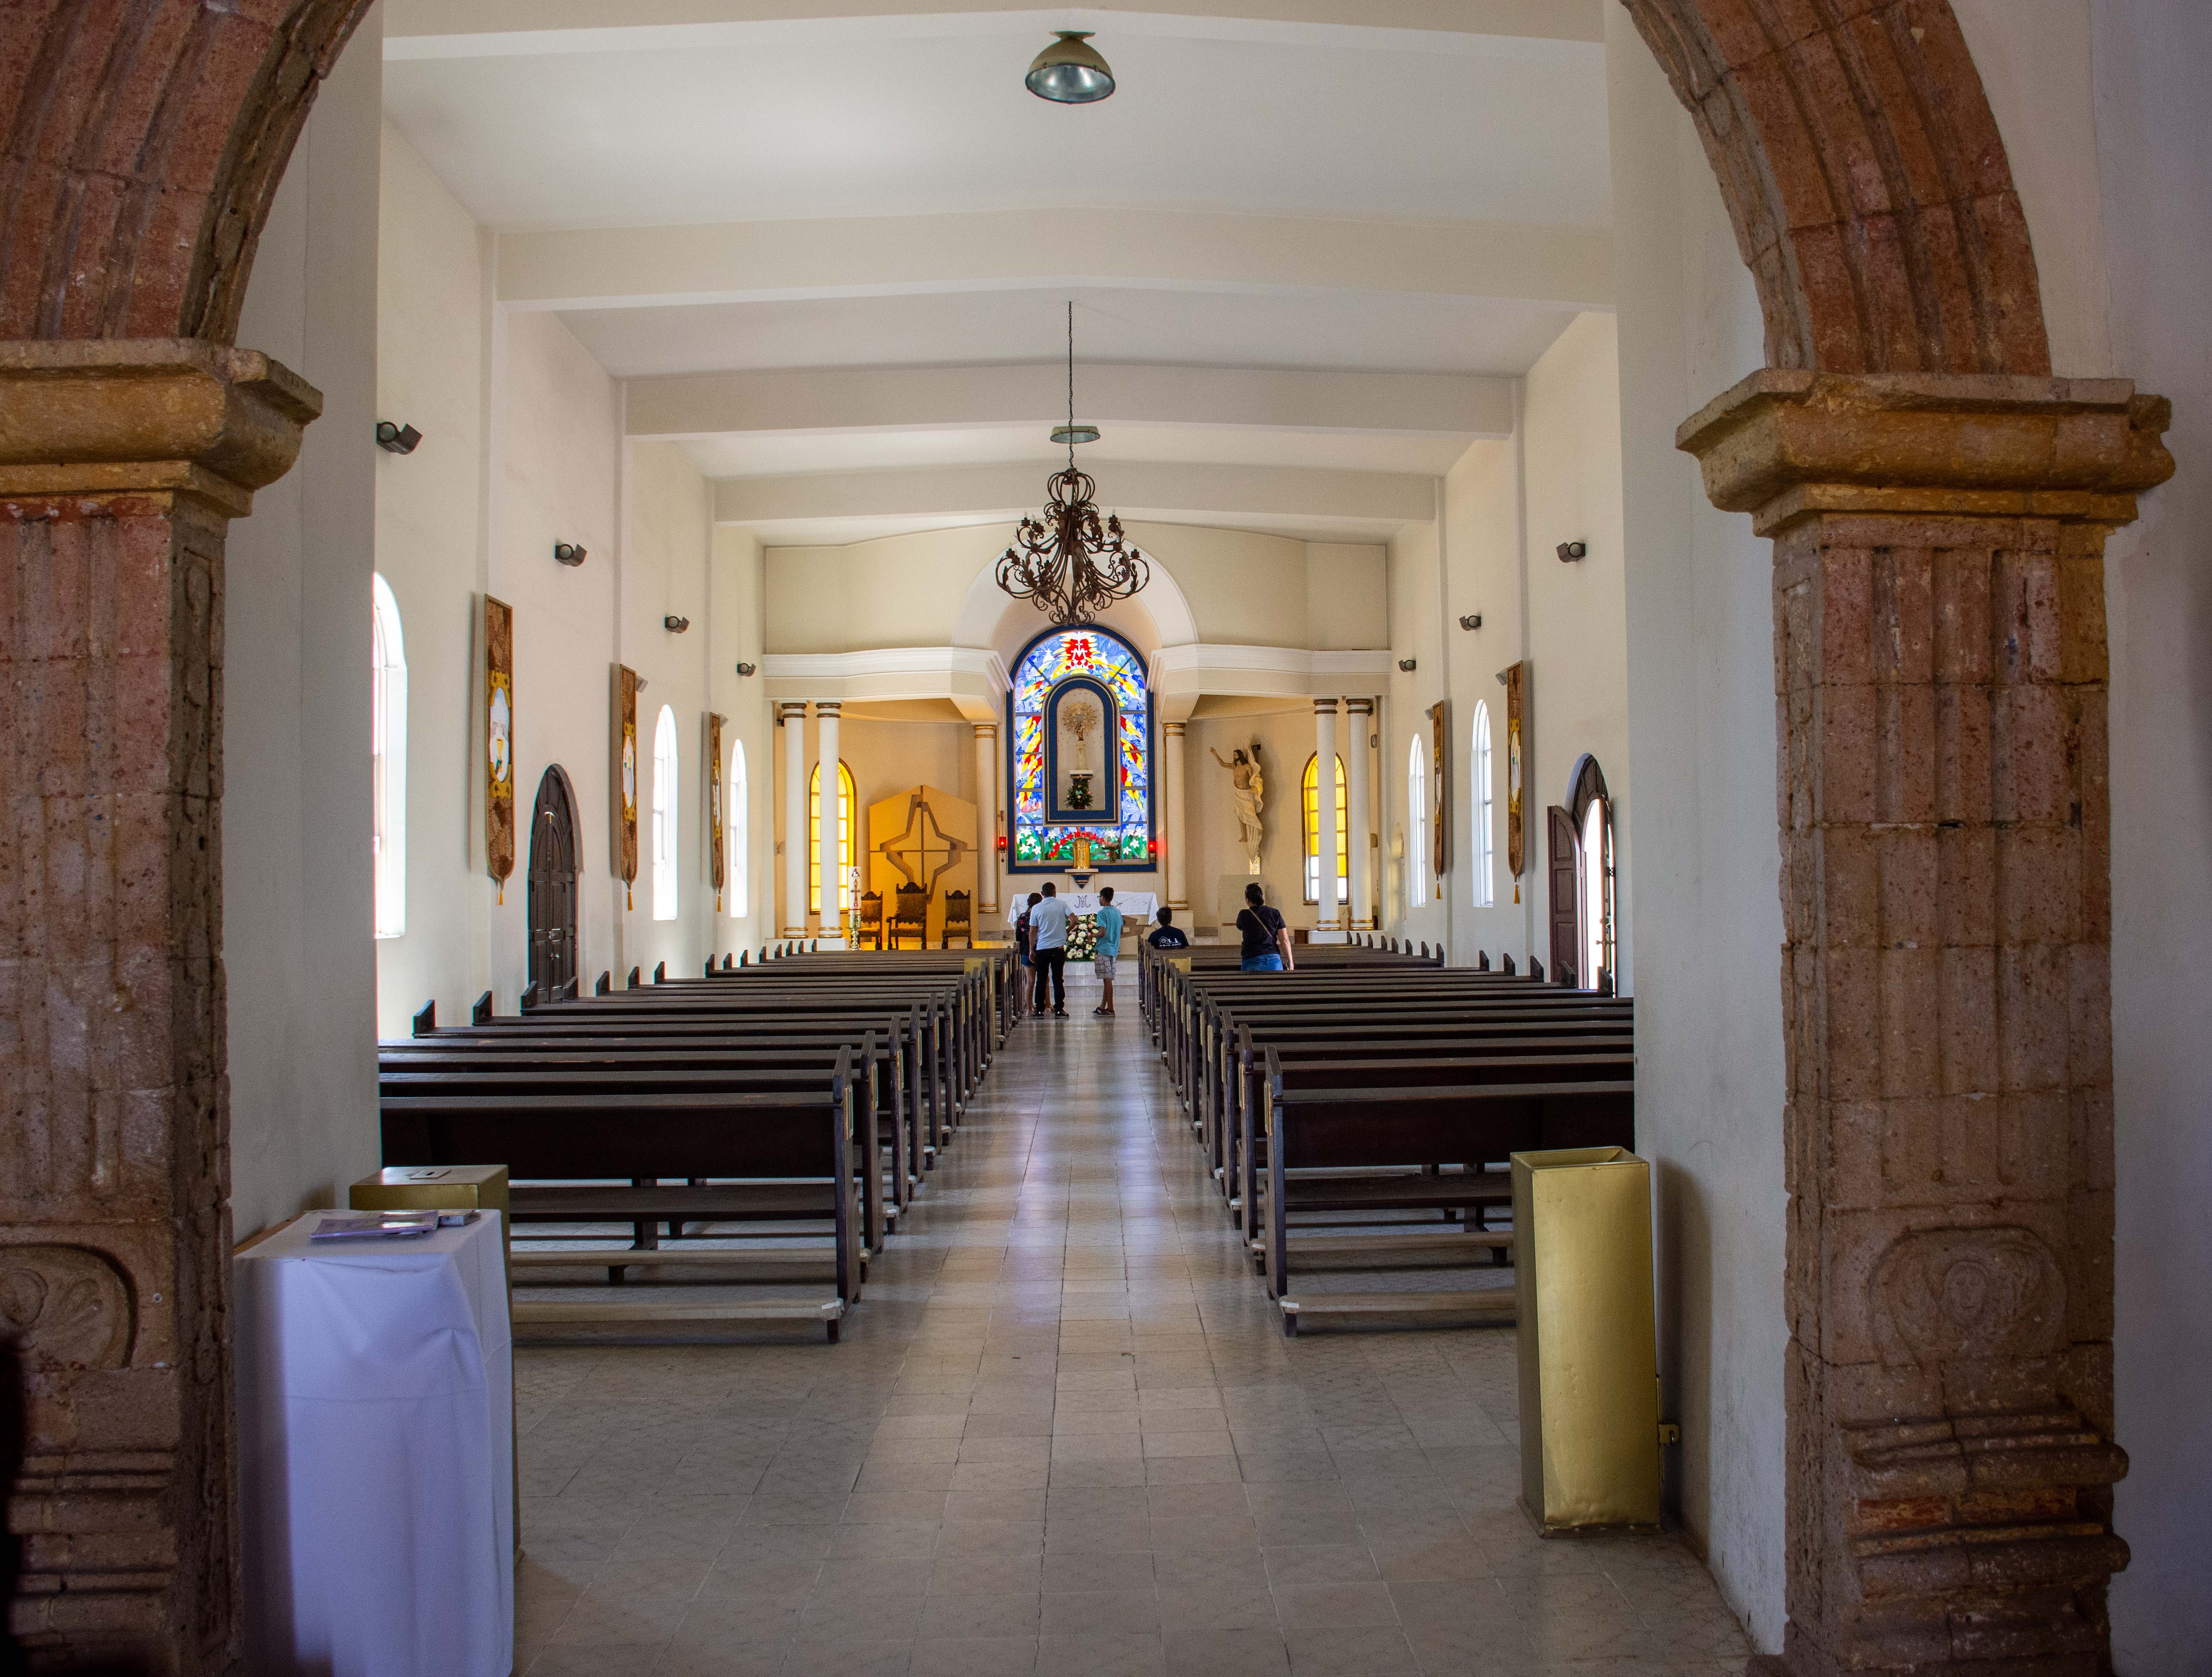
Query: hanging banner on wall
{"x": 716, "y": 850}
{"x": 499, "y": 740}
{"x": 625, "y": 798}
{"x": 1516, "y": 840}
{"x": 1440, "y": 796}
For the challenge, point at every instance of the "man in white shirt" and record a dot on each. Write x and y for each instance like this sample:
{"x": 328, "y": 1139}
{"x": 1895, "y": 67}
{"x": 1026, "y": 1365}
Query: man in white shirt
{"x": 1048, "y": 950}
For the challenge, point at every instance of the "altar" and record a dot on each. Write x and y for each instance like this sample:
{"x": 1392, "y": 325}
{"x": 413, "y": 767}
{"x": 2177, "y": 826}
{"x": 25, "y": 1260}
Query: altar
{"x": 1138, "y": 908}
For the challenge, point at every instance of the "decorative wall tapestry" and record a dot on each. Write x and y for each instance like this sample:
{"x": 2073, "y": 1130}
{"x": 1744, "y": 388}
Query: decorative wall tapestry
{"x": 1516, "y": 840}
{"x": 715, "y": 847}
{"x": 1440, "y": 788}
{"x": 626, "y": 779}
{"x": 1095, "y": 667}
{"x": 499, "y": 740}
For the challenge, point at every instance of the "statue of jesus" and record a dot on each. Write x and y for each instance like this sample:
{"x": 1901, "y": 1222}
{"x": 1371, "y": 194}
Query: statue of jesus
{"x": 1250, "y": 788}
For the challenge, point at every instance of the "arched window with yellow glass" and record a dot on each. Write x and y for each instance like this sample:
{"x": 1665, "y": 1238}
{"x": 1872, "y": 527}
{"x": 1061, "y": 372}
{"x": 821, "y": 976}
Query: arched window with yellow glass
{"x": 848, "y": 840}
{"x": 1309, "y": 800}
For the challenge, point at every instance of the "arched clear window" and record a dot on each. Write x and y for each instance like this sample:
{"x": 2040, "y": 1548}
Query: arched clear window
{"x": 1485, "y": 855}
{"x": 388, "y": 757}
{"x": 740, "y": 843}
{"x": 1417, "y": 825}
{"x": 1310, "y": 797}
{"x": 664, "y": 772}
{"x": 847, "y": 840}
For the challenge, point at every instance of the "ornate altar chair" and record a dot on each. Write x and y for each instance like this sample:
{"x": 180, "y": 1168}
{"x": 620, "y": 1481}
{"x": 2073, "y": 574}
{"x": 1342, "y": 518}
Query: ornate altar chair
{"x": 870, "y": 930}
{"x": 959, "y": 921}
{"x": 911, "y": 916}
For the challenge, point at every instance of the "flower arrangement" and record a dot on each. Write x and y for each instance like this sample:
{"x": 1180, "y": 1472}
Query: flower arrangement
{"x": 1082, "y": 937}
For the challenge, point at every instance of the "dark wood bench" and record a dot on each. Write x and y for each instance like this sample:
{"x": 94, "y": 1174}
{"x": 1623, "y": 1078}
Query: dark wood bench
{"x": 783, "y": 1156}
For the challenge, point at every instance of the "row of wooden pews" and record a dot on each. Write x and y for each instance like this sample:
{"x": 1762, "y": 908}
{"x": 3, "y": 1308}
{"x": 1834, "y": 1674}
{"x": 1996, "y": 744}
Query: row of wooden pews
{"x": 1359, "y": 1113}
{"x": 760, "y": 1127}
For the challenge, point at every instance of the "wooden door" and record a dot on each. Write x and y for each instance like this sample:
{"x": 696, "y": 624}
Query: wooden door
{"x": 553, "y": 886}
{"x": 1564, "y": 857}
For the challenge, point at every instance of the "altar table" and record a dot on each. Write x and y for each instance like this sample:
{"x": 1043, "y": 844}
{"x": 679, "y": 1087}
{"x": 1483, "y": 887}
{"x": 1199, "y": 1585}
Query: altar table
{"x": 1138, "y": 908}
{"x": 374, "y": 1418}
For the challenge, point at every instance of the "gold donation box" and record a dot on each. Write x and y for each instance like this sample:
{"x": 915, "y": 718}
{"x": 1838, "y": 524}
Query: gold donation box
{"x": 1589, "y": 1359}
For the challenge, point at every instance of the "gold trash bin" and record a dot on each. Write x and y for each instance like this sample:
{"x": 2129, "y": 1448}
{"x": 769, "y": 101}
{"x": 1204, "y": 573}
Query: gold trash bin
{"x": 452, "y": 1187}
{"x": 1589, "y": 1359}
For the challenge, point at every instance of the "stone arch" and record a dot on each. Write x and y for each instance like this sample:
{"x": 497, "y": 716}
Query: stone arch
{"x": 1856, "y": 149}
{"x": 141, "y": 142}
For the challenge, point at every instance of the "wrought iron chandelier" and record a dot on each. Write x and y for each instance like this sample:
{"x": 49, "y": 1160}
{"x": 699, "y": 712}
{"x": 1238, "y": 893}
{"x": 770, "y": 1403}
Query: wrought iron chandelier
{"x": 1062, "y": 559}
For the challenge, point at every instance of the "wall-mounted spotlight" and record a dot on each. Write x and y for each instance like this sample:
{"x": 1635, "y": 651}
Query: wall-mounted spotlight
{"x": 642, "y": 684}
{"x": 396, "y": 439}
{"x": 568, "y": 553}
{"x": 1472, "y": 621}
{"x": 674, "y": 624}
{"x": 1570, "y": 551}
{"x": 1407, "y": 665}
{"x": 747, "y": 669}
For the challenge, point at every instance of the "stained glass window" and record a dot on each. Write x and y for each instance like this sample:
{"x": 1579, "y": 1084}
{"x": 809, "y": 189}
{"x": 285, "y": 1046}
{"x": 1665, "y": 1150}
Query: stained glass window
{"x": 1122, "y": 836}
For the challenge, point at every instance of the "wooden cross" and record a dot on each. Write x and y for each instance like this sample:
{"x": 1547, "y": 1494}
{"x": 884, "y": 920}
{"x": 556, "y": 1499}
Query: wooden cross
{"x": 922, "y": 852}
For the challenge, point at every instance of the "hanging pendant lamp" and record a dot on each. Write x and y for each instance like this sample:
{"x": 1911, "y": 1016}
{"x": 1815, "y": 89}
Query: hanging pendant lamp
{"x": 1070, "y": 72}
{"x": 1063, "y": 561}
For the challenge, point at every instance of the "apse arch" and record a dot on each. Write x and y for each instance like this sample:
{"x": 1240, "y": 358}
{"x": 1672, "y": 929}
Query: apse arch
{"x": 988, "y": 618}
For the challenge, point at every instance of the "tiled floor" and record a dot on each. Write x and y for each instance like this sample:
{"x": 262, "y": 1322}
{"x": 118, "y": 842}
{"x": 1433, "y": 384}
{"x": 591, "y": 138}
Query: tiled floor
{"x": 1064, "y": 1434}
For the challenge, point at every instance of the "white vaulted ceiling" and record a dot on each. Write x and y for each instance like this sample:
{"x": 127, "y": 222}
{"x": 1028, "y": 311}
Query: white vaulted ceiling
{"x": 1350, "y": 186}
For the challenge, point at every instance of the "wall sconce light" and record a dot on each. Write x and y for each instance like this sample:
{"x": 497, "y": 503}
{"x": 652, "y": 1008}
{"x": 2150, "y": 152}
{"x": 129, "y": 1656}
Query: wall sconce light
{"x": 674, "y": 624}
{"x": 747, "y": 669}
{"x": 1571, "y": 550}
{"x": 396, "y": 439}
{"x": 642, "y": 684}
{"x": 568, "y": 553}
{"x": 1472, "y": 621}
{"x": 1407, "y": 665}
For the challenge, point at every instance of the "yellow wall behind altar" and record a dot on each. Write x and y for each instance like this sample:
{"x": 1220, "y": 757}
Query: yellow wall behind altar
{"x": 888, "y": 820}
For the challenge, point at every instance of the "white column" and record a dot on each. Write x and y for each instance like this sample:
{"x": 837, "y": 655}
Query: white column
{"x": 1173, "y": 801}
{"x": 825, "y": 763}
{"x": 986, "y": 820}
{"x": 793, "y": 717}
{"x": 1359, "y": 821}
{"x": 1329, "y": 916}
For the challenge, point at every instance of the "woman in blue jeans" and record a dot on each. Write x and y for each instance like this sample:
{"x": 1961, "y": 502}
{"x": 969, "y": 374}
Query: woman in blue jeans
{"x": 1266, "y": 939}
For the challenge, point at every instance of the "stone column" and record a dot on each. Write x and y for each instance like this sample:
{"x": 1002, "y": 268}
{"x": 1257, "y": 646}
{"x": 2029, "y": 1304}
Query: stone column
{"x": 1359, "y": 727}
{"x": 1329, "y": 916}
{"x": 832, "y": 927}
{"x": 121, "y": 464}
{"x": 1941, "y": 678}
{"x": 793, "y": 717}
{"x": 1173, "y": 795}
{"x": 987, "y": 818}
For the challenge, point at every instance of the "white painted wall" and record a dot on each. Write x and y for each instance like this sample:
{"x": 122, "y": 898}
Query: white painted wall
{"x": 2153, "y": 130}
{"x": 431, "y": 275}
{"x": 296, "y": 866}
{"x": 1706, "y": 917}
{"x": 736, "y": 615}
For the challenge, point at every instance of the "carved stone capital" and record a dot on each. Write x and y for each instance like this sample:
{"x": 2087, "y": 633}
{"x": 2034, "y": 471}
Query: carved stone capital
{"x": 138, "y": 416}
{"x": 1787, "y": 444}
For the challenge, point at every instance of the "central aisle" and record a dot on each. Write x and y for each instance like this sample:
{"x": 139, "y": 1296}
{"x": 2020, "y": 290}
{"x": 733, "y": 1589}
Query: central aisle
{"x": 1064, "y": 1434}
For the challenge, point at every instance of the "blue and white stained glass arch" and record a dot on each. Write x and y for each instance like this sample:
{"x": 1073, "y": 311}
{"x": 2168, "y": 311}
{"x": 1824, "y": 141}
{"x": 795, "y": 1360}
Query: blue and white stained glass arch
{"x": 1122, "y": 835}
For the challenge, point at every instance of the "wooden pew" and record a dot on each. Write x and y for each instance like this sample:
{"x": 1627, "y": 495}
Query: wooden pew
{"x": 792, "y": 1149}
{"x": 1380, "y": 1148}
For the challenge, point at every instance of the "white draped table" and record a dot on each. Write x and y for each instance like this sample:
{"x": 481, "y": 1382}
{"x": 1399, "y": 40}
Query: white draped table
{"x": 375, "y": 1419}
{"x": 1137, "y": 907}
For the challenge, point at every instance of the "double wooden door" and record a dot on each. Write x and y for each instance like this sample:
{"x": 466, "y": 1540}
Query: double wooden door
{"x": 553, "y": 886}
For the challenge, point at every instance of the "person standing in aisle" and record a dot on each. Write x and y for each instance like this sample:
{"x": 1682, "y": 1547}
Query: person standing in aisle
{"x": 1266, "y": 939}
{"x": 1109, "y": 945}
{"x": 1022, "y": 946}
{"x": 1049, "y": 948}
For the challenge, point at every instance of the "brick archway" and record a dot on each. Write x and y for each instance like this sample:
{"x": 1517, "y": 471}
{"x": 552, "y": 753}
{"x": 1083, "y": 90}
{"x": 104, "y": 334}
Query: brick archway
{"x": 1939, "y": 506}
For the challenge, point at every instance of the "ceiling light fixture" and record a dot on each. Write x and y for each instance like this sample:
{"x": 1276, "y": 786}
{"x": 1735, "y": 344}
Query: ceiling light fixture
{"x": 1070, "y": 72}
{"x": 1063, "y": 561}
